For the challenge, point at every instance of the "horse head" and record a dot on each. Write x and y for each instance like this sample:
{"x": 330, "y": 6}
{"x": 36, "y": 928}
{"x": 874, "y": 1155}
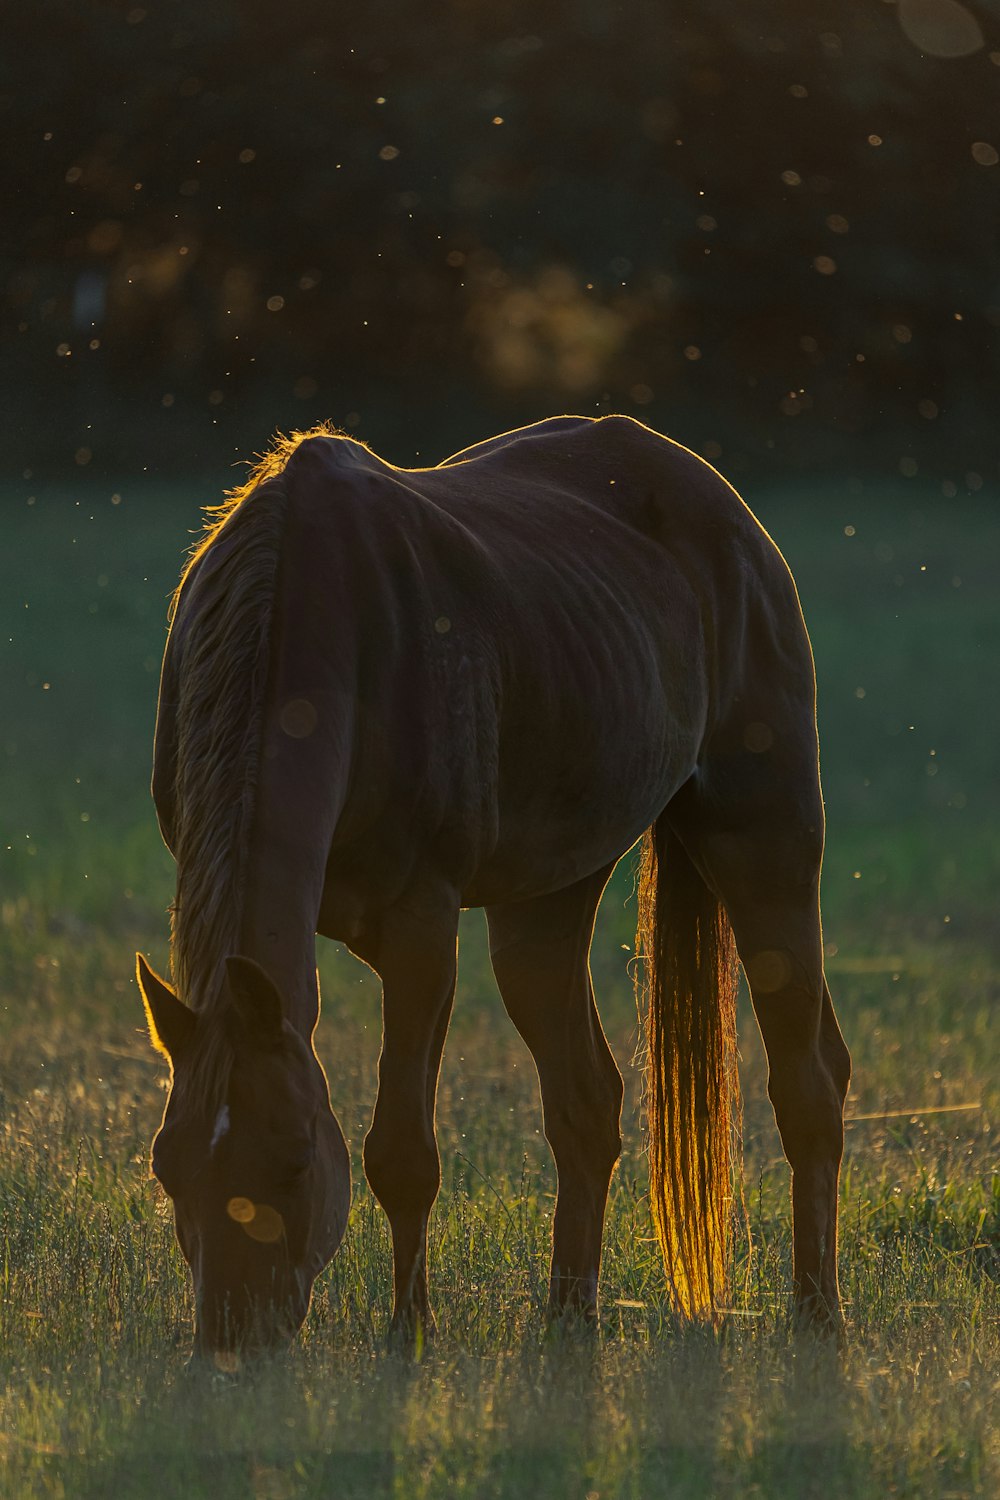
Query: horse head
{"x": 252, "y": 1157}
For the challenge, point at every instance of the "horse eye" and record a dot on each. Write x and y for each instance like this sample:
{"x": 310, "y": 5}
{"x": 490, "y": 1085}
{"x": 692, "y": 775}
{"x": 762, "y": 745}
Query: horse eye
{"x": 298, "y": 1166}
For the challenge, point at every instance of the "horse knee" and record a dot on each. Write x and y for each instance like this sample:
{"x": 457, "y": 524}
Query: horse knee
{"x": 584, "y": 1125}
{"x": 588, "y": 1149}
{"x": 402, "y": 1167}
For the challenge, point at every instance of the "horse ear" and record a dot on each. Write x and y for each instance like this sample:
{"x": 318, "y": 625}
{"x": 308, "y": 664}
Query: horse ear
{"x": 257, "y": 1001}
{"x": 171, "y": 1024}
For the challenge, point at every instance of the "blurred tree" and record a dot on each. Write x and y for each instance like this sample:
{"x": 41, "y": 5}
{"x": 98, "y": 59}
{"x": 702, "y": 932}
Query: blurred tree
{"x": 771, "y": 233}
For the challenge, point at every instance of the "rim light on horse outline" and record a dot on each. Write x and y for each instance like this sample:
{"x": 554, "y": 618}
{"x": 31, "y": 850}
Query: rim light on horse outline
{"x": 388, "y": 694}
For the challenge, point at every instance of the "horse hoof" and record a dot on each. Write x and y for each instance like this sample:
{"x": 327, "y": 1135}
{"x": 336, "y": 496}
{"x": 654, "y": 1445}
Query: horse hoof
{"x": 412, "y": 1333}
{"x": 814, "y": 1317}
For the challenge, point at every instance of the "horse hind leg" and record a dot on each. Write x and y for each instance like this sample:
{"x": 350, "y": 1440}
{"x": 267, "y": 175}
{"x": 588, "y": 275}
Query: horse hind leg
{"x": 808, "y": 1076}
{"x": 762, "y": 855}
{"x": 540, "y": 954}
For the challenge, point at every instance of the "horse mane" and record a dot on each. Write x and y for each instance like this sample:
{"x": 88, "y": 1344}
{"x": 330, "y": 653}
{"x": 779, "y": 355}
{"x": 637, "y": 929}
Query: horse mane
{"x": 268, "y": 465}
{"x": 221, "y": 616}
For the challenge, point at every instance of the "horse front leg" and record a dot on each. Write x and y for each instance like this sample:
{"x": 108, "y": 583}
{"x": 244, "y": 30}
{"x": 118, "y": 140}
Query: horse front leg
{"x": 416, "y": 959}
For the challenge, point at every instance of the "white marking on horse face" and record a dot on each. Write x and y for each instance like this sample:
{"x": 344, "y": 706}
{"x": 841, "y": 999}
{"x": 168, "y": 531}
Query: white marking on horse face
{"x": 221, "y": 1127}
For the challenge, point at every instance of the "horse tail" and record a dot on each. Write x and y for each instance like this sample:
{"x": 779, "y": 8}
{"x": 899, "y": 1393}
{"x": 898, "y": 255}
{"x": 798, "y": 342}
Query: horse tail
{"x": 689, "y": 977}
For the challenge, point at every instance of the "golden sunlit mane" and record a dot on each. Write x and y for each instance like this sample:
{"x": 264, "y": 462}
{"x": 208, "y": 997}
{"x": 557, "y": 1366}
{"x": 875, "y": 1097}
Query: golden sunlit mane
{"x": 267, "y": 465}
{"x": 221, "y": 616}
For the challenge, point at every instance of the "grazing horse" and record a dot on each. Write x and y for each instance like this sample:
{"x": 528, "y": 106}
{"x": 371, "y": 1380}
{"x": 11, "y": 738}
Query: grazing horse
{"x": 389, "y": 694}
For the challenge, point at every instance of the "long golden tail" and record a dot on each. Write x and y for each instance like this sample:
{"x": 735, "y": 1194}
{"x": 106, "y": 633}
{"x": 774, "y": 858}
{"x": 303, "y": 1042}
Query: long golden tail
{"x": 689, "y": 979}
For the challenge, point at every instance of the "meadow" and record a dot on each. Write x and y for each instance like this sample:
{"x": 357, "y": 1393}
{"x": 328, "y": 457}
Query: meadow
{"x": 898, "y": 586}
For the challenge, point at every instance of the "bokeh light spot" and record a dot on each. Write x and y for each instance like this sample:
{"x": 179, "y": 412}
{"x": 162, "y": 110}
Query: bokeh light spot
{"x": 298, "y": 718}
{"x": 266, "y": 1226}
{"x": 758, "y": 737}
{"x": 941, "y": 28}
{"x": 769, "y": 971}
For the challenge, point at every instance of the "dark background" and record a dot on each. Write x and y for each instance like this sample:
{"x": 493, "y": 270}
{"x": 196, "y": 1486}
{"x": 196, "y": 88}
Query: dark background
{"x": 768, "y": 229}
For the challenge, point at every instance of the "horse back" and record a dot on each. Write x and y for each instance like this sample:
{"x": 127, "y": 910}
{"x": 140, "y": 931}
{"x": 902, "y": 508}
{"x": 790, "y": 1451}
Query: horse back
{"x": 526, "y": 650}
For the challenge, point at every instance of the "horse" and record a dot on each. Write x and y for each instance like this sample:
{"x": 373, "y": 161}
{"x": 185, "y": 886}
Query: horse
{"x": 390, "y": 694}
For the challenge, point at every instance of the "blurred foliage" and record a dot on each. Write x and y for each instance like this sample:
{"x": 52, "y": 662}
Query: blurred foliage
{"x": 768, "y": 231}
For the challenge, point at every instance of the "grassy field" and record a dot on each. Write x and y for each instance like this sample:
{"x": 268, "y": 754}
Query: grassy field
{"x": 95, "y": 1312}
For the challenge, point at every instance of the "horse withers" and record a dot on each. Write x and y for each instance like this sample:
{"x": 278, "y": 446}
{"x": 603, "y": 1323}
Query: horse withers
{"x": 388, "y": 694}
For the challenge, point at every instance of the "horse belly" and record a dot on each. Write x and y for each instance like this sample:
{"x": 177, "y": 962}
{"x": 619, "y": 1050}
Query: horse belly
{"x": 567, "y": 810}
{"x": 540, "y": 854}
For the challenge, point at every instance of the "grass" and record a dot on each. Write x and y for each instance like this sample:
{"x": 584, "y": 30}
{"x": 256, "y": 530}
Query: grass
{"x": 95, "y": 1307}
